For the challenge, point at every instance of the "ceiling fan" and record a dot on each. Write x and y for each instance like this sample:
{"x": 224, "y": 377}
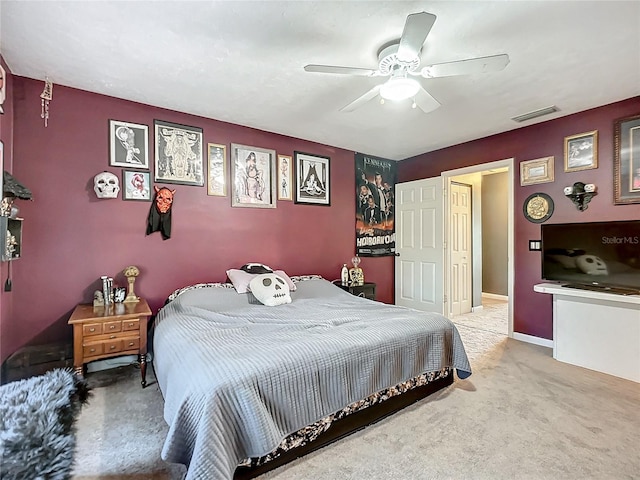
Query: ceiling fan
{"x": 400, "y": 61}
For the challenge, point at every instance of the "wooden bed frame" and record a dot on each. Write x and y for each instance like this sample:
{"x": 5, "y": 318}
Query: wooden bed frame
{"x": 349, "y": 424}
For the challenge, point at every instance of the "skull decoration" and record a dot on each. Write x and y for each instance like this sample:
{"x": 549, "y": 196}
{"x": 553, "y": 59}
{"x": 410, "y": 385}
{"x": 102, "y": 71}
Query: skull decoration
{"x": 591, "y": 265}
{"x": 270, "y": 289}
{"x": 105, "y": 184}
{"x": 164, "y": 198}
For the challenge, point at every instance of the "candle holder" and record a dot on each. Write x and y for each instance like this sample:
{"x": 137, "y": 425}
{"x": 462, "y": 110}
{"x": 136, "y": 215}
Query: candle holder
{"x": 131, "y": 272}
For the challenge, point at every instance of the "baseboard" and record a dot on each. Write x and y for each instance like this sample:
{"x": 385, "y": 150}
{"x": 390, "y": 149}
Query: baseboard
{"x": 495, "y": 296}
{"x": 477, "y": 309}
{"x": 543, "y": 342}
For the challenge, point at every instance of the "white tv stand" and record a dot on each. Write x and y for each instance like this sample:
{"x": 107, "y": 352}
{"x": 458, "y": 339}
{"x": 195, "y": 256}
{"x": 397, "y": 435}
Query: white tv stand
{"x": 596, "y": 330}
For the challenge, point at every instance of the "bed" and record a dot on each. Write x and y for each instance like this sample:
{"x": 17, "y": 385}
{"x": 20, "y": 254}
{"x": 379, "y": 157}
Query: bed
{"x": 246, "y": 385}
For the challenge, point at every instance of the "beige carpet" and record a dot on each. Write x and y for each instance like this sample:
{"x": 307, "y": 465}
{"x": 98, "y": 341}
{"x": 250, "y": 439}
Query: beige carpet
{"x": 521, "y": 415}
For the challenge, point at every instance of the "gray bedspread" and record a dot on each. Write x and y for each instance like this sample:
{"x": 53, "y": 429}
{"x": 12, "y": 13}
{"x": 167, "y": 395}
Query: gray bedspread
{"x": 237, "y": 376}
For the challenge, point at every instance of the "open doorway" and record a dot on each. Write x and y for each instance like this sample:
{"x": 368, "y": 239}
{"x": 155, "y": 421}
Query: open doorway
{"x": 479, "y": 283}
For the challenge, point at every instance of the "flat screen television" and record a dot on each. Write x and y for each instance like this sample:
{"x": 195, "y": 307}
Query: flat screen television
{"x": 596, "y": 255}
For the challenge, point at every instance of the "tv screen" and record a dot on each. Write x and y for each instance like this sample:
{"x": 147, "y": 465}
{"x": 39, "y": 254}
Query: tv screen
{"x": 600, "y": 254}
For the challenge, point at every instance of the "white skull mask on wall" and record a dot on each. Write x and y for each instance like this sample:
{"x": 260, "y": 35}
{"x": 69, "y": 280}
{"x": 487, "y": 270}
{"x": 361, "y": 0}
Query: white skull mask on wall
{"x": 270, "y": 289}
{"x": 591, "y": 265}
{"x": 106, "y": 185}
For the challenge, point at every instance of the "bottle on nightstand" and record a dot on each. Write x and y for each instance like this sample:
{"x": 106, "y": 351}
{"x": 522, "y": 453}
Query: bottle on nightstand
{"x": 344, "y": 275}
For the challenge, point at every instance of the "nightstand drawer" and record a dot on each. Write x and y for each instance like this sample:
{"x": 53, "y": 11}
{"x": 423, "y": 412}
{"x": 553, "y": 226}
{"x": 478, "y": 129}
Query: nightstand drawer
{"x": 91, "y": 329}
{"x": 92, "y": 349}
{"x": 112, "y": 327}
{"x": 128, "y": 325}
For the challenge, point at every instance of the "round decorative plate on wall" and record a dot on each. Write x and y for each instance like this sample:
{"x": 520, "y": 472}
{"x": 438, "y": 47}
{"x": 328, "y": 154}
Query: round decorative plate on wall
{"x": 538, "y": 207}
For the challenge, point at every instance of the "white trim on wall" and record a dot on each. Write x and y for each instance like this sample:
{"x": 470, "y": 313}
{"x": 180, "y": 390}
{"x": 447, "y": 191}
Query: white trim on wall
{"x": 543, "y": 342}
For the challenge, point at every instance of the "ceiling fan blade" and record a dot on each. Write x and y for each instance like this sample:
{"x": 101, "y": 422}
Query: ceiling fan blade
{"x": 493, "y": 63}
{"x": 361, "y": 100}
{"x": 362, "y": 72}
{"x": 425, "y": 101}
{"x": 416, "y": 29}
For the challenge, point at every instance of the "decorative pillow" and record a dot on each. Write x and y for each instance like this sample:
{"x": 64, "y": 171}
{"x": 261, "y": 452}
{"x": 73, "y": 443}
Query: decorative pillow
{"x": 270, "y": 289}
{"x": 256, "y": 268}
{"x": 241, "y": 279}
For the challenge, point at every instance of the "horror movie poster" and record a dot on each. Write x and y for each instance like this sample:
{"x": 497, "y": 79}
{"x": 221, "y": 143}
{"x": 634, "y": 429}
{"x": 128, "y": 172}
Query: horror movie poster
{"x": 375, "y": 199}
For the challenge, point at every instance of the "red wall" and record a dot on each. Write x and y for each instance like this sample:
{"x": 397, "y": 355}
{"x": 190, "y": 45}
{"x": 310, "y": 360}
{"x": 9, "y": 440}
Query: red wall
{"x": 6, "y": 135}
{"x": 71, "y": 238}
{"x": 532, "y": 311}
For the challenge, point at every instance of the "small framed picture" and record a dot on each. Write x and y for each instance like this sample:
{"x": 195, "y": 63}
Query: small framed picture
{"x": 128, "y": 145}
{"x": 581, "y": 151}
{"x": 136, "y": 185}
{"x": 179, "y": 155}
{"x": 535, "y": 171}
{"x": 285, "y": 190}
{"x": 313, "y": 185}
{"x": 217, "y": 172}
{"x": 253, "y": 171}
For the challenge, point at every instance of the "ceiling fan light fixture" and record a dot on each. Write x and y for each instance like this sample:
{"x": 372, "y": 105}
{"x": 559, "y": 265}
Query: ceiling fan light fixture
{"x": 399, "y": 88}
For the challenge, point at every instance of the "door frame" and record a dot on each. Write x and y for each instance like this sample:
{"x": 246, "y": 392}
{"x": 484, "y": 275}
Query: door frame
{"x": 447, "y": 177}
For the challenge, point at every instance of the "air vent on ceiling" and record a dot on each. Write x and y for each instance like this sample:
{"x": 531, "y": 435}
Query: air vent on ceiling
{"x": 535, "y": 114}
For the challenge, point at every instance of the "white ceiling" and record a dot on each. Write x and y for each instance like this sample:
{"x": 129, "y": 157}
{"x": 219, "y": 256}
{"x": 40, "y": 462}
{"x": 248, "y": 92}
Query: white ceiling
{"x": 242, "y": 62}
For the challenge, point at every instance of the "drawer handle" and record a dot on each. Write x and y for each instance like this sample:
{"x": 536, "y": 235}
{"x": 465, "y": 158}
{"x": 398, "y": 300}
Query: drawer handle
{"x": 112, "y": 327}
{"x": 92, "y": 350}
{"x": 131, "y": 344}
{"x": 112, "y": 336}
{"x": 131, "y": 324}
{"x": 92, "y": 329}
{"x": 112, "y": 347}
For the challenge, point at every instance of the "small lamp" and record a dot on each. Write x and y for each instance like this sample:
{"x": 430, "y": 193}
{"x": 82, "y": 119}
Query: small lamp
{"x": 356, "y": 275}
{"x": 581, "y": 194}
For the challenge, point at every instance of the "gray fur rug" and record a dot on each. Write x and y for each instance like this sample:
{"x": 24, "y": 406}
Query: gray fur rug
{"x": 37, "y": 425}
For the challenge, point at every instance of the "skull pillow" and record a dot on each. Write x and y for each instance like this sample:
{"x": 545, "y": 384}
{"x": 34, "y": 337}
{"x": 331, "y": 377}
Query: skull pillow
{"x": 591, "y": 265}
{"x": 105, "y": 184}
{"x": 270, "y": 289}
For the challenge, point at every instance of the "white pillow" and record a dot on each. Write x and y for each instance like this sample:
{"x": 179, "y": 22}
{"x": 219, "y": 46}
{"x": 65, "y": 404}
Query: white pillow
{"x": 270, "y": 289}
{"x": 241, "y": 279}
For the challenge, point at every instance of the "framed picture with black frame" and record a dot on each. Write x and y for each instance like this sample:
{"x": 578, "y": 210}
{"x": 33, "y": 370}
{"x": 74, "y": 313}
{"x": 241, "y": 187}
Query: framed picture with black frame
{"x": 136, "y": 185}
{"x": 313, "y": 179}
{"x": 128, "y": 145}
{"x": 179, "y": 154}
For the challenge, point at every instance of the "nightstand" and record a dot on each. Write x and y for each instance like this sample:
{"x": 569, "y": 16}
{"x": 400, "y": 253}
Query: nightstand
{"x": 368, "y": 290}
{"x": 111, "y": 331}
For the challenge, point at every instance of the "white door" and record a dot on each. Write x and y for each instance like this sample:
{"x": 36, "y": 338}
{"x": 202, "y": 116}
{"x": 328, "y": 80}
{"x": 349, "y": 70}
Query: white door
{"x": 460, "y": 223}
{"x": 419, "y": 266}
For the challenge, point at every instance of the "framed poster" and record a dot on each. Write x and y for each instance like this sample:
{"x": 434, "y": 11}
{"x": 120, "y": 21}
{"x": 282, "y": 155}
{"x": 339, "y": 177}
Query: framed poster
{"x": 179, "y": 157}
{"x": 535, "y": 171}
{"x": 136, "y": 185}
{"x": 285, "y": 180}
{"x": 581, "y": 151}
{"x": 313, "y": 181}
{"x": 217, "y": 171}
{"x": 128, "y": 145}
{"x": 253, "y": 171}
{"x": 375, "y": 206}
{"x": 626, "y": 160}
